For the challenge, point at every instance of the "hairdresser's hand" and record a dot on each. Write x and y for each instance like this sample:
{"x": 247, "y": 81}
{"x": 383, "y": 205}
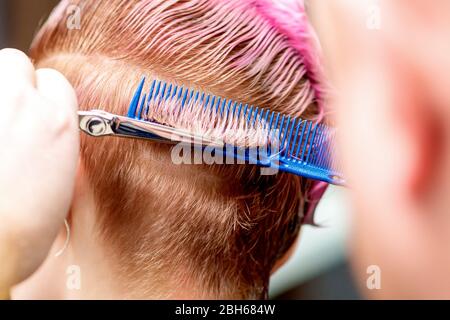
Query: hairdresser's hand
{"x": 39, "y": 144}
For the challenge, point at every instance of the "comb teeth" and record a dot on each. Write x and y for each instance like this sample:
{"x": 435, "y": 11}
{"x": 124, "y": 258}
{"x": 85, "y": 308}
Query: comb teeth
{"x": 199, "y": 113}
{"x": 302, "y": 144}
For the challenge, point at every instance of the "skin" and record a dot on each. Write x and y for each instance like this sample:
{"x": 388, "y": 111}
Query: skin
{"x": 394, "y": 119}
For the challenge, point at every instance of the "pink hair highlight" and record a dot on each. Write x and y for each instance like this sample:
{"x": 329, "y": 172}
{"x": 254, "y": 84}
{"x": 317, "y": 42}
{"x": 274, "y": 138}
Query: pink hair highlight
{"x": 290, "y": 19}
{"x": 247, "y": 44}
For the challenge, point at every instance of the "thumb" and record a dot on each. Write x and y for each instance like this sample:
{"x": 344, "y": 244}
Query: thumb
{"x": 61, "y": 119}
{"x": 60, "y": 114}
{"x": 54, "y": 87}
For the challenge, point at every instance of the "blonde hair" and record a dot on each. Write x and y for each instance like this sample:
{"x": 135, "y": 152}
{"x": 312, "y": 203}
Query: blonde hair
{"x": 223, "y": 226}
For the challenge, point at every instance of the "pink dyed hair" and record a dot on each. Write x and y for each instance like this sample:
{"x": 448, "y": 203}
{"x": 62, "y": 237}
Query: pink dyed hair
{"x": 290, "y": 19}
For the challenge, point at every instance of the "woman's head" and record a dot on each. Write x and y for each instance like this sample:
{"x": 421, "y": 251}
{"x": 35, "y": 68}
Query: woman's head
{"x": 221, "y": 226}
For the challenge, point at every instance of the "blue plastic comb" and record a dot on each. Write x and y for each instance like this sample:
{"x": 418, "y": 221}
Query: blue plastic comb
{"x": 305, "y": 148}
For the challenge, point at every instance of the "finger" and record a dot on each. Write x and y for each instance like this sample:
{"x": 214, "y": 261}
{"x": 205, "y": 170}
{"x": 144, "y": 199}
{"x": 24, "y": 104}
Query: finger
{"x": 16, "y": 69}
{"x": 52, "y": 85}
{"x": 60, "y": 116}
{"x": 62, "y": 152}
{"x": 55, "y": 88}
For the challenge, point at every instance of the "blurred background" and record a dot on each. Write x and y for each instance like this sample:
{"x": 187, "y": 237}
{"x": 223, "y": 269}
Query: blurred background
{"x": 318, "y": 270}
{"x": 20, "y": 19}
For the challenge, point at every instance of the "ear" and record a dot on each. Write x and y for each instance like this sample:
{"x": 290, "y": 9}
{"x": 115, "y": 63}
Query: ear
{"x": 416, "y": 119}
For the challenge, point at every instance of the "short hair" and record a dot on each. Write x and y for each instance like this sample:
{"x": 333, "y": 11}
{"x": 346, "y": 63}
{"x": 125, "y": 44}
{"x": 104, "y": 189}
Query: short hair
{"x": 221, "y": 226}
